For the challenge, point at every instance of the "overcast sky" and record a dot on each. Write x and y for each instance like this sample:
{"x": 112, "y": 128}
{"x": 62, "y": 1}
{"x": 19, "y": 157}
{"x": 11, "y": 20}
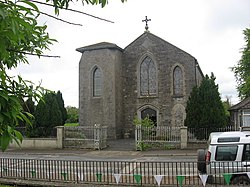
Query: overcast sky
{"x": 209, "y": 30}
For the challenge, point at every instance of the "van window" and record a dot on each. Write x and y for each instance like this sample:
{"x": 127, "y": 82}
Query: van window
{"x": 246, "y": 153}
{"x": 230, "y": 139}
{"x": 226, "y": 153}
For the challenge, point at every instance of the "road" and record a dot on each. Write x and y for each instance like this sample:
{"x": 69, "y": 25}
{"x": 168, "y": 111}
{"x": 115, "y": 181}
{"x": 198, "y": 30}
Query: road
{"x": 101, "y": 156}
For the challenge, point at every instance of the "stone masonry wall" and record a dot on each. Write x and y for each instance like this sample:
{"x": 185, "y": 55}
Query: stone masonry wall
{"x": 100, "y": 110}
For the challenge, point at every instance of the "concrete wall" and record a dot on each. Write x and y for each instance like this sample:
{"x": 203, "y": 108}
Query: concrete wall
{"x": 36, "y": 143}
{"x": 42, "y": 143}
{"x": 99, "y": 141}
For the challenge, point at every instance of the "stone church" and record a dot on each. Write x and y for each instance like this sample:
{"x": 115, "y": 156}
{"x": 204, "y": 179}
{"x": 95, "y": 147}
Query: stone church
{"x": 149, "y": 77}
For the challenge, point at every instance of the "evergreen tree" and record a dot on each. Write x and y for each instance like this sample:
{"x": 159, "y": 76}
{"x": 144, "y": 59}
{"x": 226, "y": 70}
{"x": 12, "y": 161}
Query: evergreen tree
{"x": 63, "y": 110}
{"x": 28, "y": 110}
{"x": 227, "y": 105}
{"x": 192, "y": 109}
{"x": 204, "y": 107}
{"x": 29, "y": 106}
{"x": 47, "y": 115}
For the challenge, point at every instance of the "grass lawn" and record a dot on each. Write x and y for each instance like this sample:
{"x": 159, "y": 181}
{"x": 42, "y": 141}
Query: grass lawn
{"x": 70, "y": 125}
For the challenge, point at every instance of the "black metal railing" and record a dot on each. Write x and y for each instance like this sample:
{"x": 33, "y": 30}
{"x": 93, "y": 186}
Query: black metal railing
{"x": 113, "y": 172}
{"x": 202, "y": 134}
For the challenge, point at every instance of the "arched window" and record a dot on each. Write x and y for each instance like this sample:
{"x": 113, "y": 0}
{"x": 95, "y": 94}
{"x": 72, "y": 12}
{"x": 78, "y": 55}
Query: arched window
{"x": 148, "y": 81}
{"x": 177, "y": 81}
{"x": 97, "y": 82}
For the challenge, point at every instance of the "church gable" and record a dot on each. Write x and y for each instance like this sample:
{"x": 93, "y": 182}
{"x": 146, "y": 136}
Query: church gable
{"x": 150, "y": 41}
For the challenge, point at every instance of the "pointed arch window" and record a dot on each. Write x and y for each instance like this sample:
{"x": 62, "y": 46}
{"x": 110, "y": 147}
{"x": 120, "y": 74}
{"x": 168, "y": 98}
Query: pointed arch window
{"x": 97, "y": 82}
{"x": 178, "y": 81}
{"x": 148, "y": 79}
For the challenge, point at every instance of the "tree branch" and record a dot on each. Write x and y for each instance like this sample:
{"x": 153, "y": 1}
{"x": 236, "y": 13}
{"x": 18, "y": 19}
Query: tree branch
{"x": 60, "y": 19}
{"x": 49, "y": 15}
{"x": 27, "y": 53}
{"x": 77, "y": 11}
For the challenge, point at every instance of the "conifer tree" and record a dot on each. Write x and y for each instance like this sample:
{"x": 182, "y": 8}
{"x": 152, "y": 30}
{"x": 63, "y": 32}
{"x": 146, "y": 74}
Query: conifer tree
{"x": 192, "y": 109}
{"x": 204, "y": 107}
{"x": 63, "y": 110}
{"x": 47, "y": 115}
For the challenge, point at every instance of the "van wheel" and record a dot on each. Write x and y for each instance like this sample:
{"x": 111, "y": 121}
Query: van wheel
{"x": 241, "y": 180}
{"x": 201, "y": 165}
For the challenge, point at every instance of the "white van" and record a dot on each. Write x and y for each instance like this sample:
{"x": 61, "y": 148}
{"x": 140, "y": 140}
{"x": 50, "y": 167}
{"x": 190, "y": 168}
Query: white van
{"x": 227, "y": 153}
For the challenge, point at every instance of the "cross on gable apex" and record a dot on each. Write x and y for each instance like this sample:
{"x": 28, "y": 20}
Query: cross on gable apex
{"x": 146, "y": 20}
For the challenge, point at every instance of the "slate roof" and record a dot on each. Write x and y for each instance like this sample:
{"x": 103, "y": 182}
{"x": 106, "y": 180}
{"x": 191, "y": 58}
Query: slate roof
{"x": 244, "y": 104}
{"x": 102, "y": 45}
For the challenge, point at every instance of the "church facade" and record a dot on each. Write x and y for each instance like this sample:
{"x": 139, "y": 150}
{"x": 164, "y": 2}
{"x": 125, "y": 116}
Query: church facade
{"x": 150, "y": 77}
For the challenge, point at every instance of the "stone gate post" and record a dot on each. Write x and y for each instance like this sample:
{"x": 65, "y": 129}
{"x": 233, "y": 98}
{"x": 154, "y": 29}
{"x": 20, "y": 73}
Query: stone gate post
{"x": 97, "y": 136}
{"x": 60, "y": 136}
{"x": 184, "y": 137}
{"x": 138, "y": 138}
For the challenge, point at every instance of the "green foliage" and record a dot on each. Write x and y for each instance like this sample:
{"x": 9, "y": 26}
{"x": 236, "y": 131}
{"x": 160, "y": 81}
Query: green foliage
{"x": 60, "y": 102}
{"x": 149, "y": 125}
{"x": 29, "y": 109}
{"x": 19, "y": 35}
{"x": 12, "y": 93}
{"x": 204, "y": 107}
{"x": 65, "y": 3}
{"x": 227, "y": 105}
{"x": 29, "y": 106}
{"x": 72, "y": 114}
{"x": 146, "y": 122}
{"x": 47, "y": 114}
{"x": 144, "y": 146}
{"x": 71, "y": 124}
{"x": 242, "y": 69}
{"x": 20, "y": 32}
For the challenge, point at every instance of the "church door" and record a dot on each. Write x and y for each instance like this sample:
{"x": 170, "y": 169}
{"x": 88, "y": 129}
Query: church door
{"x": 150, "y": 113}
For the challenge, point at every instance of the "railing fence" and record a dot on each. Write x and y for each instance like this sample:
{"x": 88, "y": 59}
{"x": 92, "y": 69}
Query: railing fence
{"x": 153, "y": 135}
{"x": 172, "y": 136}
{"x": 202, "y": 134}
{"x": 86, "y": 137}
{"x": 114, "y": 172}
